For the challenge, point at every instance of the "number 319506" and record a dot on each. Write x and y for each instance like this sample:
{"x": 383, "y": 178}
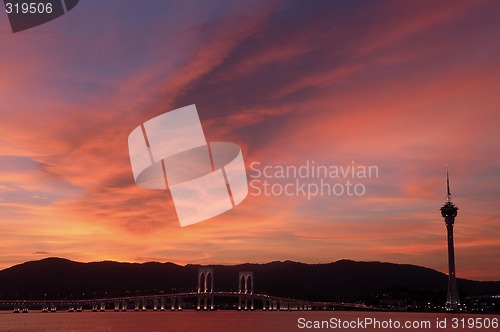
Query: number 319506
{"x": 28, "y": 7}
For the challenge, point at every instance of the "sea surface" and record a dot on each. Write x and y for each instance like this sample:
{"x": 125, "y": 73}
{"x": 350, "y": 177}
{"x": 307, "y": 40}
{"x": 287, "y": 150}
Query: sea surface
{"x": 244, "y": 321}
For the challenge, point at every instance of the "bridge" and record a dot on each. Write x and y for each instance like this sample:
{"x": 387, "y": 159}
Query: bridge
{"x": 202, "y": 299}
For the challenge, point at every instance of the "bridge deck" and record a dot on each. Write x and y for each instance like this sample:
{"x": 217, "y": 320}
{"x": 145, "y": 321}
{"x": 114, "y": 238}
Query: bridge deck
{"x": 159, "y": 297}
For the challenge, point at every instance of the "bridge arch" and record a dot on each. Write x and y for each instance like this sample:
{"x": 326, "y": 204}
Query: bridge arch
{"x": 245, "y": 282}
{"x": 245, "y": 289}
{"x": 205, "y": 288}
{"x": 205, "y": 280}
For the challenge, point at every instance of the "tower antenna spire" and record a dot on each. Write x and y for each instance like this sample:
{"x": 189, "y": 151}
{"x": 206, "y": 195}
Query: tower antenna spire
{"x": 448, "y": 184}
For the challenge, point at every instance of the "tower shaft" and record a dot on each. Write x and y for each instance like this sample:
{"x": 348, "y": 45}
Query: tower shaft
{"x": 452, "y": 299}
{"x": 449, "y": 212}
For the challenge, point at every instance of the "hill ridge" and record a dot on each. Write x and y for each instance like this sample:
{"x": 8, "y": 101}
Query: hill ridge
{"x": 60, "y": 278}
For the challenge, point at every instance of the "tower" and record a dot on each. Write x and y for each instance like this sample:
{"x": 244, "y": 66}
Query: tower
{"x": 449, "y": 212}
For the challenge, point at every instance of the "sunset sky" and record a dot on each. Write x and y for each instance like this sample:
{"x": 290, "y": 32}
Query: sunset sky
{"x": 406, "y": 86}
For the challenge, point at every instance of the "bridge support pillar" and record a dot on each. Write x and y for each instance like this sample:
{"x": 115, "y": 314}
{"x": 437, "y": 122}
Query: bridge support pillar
{"x": 205, "y": 302}
{"x": 124, "y": 306}
{"x": 176, "y": 303}
{"x": 155, "y": 304}
{"x": 198, "y": 303}
{"x": 143, "y": 305}
{"x": 117, "y": 306}
{"x": 243, "y": 303}
{"x": 179, "y": 304}
{"x": 136, "y": 305}
{"x": 102, "y": 306}
{"x": 162, "y": 305}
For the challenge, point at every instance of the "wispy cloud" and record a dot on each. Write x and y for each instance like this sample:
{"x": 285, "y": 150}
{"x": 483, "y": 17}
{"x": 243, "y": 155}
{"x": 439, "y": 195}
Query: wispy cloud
{"x": 41, "y": 253}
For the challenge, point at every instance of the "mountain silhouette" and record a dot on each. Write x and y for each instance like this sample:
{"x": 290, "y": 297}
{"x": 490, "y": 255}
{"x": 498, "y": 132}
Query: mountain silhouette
{"x": 344, "y": 280}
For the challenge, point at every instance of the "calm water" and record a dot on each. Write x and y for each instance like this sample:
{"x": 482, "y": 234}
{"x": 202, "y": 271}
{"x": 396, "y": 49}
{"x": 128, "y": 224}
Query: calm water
{"x": 229, "y": 321}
